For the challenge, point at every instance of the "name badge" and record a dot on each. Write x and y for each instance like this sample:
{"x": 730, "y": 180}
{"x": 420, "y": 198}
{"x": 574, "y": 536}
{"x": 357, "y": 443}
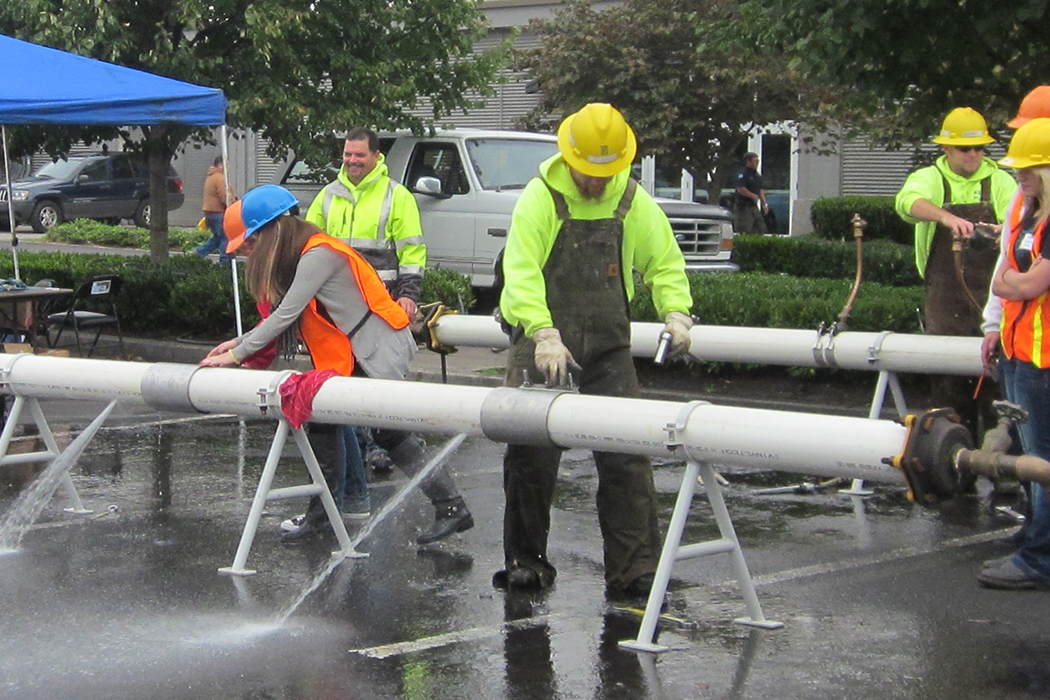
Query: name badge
{"x": 1026, "y": 243}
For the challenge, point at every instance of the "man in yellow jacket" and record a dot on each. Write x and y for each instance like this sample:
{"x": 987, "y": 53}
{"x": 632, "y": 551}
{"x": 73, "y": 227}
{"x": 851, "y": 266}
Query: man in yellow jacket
{"x": 378, "y": 217}
{"x": 946, "y": 202}
{"x": 577, "y": 232}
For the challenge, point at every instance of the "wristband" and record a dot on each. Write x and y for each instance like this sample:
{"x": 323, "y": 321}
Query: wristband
{"x": 233, "y": 357}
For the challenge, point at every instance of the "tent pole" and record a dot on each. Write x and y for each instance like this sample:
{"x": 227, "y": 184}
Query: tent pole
{"x": 233, "y": 259}
{"x": 10, "y": 204}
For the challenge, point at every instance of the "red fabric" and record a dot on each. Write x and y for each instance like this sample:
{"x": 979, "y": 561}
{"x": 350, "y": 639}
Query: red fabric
{"x": 297, "y": 394}
{"x": 265, "y": 357}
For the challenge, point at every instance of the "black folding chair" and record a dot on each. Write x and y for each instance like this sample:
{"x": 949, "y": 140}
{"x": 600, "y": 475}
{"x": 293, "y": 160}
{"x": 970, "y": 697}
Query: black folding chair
{"x": 94, "y": 306}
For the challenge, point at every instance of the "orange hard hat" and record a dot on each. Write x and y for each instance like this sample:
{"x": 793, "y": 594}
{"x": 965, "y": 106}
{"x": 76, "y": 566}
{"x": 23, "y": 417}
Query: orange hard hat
{"x": 233, "y": 226}
{"x": 1034, "y": 105}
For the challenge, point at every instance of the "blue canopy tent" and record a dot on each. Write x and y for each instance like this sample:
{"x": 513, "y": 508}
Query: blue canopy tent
{"x": 41, "y": 85}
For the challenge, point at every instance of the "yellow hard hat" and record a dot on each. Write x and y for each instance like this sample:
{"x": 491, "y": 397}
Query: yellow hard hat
{"x": 1030, "y": 145}
{"x": 597, "y": 141}
{"x": 1034, "y": 105}
{"x": 964, "y": 126}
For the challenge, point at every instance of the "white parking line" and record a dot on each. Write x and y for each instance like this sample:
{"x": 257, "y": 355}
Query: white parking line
{"x": 893, "y": 555}
{"x": 440, "y": 640}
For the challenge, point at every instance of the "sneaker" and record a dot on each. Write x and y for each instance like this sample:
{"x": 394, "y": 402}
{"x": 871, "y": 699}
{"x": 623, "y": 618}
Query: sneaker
{"x": 309, "y": 528}
{"x": 1009, "y": 577}
{"x": 293, "y": 524}
{"x": 357, "y": 510}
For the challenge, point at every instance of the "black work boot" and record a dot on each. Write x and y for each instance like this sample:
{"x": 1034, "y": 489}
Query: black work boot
{"x": 450, "y": 517}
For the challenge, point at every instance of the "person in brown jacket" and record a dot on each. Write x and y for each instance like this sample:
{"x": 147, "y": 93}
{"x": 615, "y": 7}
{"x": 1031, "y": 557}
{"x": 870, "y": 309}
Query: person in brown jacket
{"x": 214, "y": 207}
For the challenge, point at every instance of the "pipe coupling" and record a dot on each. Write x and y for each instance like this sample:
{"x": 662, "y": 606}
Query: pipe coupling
{"x": 166, "y": 387}
{"x": 518, "y": 416}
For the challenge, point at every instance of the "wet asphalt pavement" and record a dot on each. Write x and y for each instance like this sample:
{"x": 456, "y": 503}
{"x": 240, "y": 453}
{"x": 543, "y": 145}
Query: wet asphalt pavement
{"x": 877, "y": 596}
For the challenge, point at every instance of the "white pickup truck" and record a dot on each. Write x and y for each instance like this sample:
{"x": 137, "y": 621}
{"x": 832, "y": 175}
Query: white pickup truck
{"x": 466, "y": 183}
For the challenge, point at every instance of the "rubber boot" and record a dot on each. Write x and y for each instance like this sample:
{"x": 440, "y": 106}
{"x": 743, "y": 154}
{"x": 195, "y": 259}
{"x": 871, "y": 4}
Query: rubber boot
{"x": 450, "y": 517}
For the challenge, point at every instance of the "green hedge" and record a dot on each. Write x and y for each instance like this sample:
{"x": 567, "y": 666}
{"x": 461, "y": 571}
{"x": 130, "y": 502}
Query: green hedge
{"x": 189, "y": 297}
{"x": 883, "y": 262}
{"x": 779, "y": 301}
{"x": 86, "y": 231}
{"x": 832, "y": 219}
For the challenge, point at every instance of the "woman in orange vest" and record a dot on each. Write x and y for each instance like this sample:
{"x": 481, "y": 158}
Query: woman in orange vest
{"x": 1022, "y": 281}
{"x": 323, "y": 292}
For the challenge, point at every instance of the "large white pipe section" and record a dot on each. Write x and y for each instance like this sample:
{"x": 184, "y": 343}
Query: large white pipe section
{"x": 892, "y": 352}
{"x": 797, "y": 442}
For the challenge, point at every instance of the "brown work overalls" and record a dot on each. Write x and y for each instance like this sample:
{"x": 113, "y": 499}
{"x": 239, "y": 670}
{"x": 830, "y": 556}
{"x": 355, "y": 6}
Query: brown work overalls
{"x": 588, "y": 304}
{"x": 949, "y": 311}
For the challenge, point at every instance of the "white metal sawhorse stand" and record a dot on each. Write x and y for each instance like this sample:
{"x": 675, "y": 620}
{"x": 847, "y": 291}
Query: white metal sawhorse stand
{"x": 886, "y": 380}
{"x": 264, "y": 493}
{"x": 45, "y": 456}
{"x": 674, "y": 550}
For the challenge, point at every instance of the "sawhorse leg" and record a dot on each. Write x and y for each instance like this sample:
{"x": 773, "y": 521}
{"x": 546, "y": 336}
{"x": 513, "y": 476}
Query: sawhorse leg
{"x": 886, "y": 380}
{"x": 264, "y": 493}
{"x": 46, "y": 456}
{"x": 673, "y": 551}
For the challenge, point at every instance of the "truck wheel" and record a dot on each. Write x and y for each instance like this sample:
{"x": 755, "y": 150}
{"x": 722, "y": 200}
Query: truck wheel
{"x": 142, "y": 214}
{"x": 46, "y": 215}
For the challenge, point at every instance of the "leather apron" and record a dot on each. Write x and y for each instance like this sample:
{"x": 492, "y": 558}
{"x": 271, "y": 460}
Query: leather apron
{"x": 948, "y": 309}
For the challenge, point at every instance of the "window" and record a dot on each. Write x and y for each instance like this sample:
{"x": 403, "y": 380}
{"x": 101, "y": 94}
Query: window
{"x": 440, "y": 160}
{"x": 96, "y": 171}
{"x": 122, "y": 169}
{"x": 508, "y": 164}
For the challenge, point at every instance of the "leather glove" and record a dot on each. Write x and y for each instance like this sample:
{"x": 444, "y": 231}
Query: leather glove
{"x": 552, "y": 357}
{"x": 678, "y": 324}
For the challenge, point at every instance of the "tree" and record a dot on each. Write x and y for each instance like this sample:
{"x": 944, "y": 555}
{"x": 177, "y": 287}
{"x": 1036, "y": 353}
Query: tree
{"x": 685, "y": 76}
{"x": 904, "y": 64}
{"x": 295, "y": 71}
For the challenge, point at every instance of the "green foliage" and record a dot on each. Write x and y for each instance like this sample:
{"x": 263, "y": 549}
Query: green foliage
{"x": 883, "y": 262}
{"x": 778, "y": 301}
{"x": 690, "y": 83}
{"x": 89, "y": 232}
{"x": 188, "y": 296}
{"x": 448, "y": 287}
{"x": 832, "y": 218}
{"x": 904, "y": 64}
{"x": 293, "y": 72}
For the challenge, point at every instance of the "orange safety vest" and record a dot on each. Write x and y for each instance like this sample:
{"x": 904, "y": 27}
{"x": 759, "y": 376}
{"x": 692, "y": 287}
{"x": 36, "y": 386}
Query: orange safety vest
{"x": 328, "y": 346}
{"x": 1025, "y": 321}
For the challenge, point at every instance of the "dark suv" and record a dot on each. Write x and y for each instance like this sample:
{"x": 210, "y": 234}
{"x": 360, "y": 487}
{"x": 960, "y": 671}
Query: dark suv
{"x": 106, "y": 188}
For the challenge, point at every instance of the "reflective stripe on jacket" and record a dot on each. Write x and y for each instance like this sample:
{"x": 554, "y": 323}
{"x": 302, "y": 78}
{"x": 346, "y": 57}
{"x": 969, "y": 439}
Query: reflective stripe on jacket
{"x": 1025, "y": 321}
{"x": 379, "y": 218}
{"x": 329, "y": 347}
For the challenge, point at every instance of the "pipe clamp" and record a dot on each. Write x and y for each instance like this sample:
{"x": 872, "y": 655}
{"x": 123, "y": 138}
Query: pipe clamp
{"x": 518, "y": 416}
{"x": 166, "y": 386}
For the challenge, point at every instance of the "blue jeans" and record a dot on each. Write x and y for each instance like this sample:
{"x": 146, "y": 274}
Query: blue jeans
{"x": 216, "y": 242}
{"x": 1029, "y": 386}
{"x": 352, "y": 485}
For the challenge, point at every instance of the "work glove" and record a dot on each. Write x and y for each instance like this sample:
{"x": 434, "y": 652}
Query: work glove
{"x": 552, "y": 357}
{"x": 678, "y": 324}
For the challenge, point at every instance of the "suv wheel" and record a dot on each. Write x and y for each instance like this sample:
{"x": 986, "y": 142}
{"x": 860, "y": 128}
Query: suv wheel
{"x": 142, "y": 214}
{"x": 46, "y": 215}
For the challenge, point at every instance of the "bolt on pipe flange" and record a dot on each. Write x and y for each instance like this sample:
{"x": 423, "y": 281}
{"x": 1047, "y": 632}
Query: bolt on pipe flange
{"x": 928, "y": 459}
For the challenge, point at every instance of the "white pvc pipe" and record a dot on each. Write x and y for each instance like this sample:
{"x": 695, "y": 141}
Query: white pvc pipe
{"x": 820, "y": 445}
{"x": 893, "y": 352}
